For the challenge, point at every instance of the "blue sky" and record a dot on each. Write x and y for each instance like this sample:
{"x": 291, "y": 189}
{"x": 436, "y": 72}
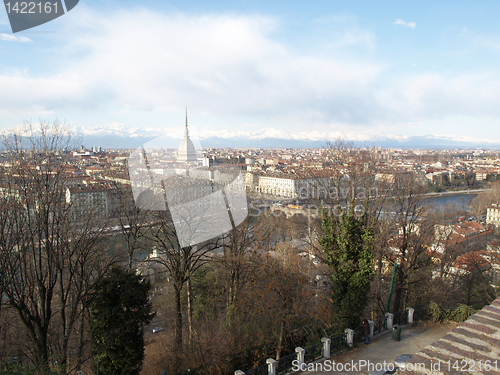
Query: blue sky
{"x": 296, "y": 69}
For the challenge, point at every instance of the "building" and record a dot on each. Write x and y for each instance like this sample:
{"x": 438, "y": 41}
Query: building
{"x": 467, "y": 236}
{"x": 291, "y": 186}
{"x": 89, "y": 200}
{"x": 94, "y": 170}
{"x": 493, "y": 214}
{"x": 251, "y": 181}
{"x": 186, "y": 152}
{"x": 83, "y": 152}
{"x": 481, "y": 175}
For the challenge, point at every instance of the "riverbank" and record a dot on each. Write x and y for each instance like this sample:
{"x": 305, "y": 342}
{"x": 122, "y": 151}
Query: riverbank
{"x": 456, "y": 192}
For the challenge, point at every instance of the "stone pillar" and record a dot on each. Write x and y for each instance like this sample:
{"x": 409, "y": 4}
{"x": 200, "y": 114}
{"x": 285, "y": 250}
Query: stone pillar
{"x": 372, "y": 328}
{"x": 301, "y": 355}
{"x": 390, "y": 318}
{"x": 326, "y": 347}
{"x": 411, "y": 311}
{"x": 350, "y": 336}
{"x": 271, "y": 366}
{"x": 239, "y": 372}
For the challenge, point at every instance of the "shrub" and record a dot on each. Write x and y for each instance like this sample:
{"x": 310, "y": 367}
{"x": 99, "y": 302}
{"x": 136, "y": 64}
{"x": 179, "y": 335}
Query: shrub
{"x": 437, "y": 313}
{"x": 461, "y": 313}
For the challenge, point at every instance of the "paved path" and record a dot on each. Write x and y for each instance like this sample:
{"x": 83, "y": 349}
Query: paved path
{"x": 383, "y": 348}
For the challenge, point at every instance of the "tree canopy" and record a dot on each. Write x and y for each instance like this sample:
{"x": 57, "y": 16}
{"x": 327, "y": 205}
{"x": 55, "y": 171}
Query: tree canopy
{"x": 348, "y": 243}
{"x": 119, "y": 306}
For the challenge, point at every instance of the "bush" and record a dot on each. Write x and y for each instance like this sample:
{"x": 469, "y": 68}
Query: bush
{"x": 459, "y": 314}
{"x": 437, "y": 313}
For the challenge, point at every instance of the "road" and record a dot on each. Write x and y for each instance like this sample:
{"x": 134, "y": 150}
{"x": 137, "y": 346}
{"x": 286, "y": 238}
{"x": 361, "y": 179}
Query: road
{"x": 456, "y": 192}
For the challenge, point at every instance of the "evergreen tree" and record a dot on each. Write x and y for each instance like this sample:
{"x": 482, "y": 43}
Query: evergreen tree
{"x": 119, "y": 306}
{"x": 348, "y": 246}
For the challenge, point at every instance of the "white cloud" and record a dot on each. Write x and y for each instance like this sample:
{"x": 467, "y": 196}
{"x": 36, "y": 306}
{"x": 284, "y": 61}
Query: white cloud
{"x": 221, "y": 65}
{"x": 437, "y": 96}
{"x": 13, "y": 38}
{"x": 401, "y": 22}
{"x": 229, "y": 68}
{"x": 341, "y": 32}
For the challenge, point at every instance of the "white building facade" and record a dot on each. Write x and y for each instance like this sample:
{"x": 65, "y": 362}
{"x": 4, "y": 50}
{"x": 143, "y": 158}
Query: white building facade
{"x": 294, "y": 186}
{"x": 493, "y": 214}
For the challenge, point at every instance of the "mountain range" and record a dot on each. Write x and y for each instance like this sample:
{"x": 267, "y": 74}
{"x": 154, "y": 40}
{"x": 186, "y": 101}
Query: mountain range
{"x": 116, "y": 137}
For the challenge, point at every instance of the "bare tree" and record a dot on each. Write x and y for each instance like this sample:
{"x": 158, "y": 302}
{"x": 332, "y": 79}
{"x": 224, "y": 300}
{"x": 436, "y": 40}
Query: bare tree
{"x": 132, "y": 220}
{"x": 48, "y": 261}
{"x": 415, "y": 233}
{"x": 484, "y": 199}
{"x": 180, "y": 262}
{"x": 235, "y": 245}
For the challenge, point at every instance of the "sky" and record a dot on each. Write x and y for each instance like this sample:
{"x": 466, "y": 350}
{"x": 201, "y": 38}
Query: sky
{"x": 292, "y": 69}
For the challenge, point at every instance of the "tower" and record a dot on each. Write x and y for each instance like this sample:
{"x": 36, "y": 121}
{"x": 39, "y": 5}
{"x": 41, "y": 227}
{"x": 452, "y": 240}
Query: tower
{"x": 186, "y": 151}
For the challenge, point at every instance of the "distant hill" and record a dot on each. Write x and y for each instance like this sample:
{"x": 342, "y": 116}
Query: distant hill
{"x": 123, "y": 139}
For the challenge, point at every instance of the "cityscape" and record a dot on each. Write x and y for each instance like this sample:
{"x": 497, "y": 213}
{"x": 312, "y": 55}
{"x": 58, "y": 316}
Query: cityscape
{"x": 219, "y": 208}
{"x": 249, "y": 187}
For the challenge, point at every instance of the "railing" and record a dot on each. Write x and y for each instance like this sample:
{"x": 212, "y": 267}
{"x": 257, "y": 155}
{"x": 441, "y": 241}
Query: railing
{"x": 420, "y": 313}
{"x": 313, "y": 353}
{"x": 400, "y": 317}
{"x": 261, "y": 370}
{"x": 380, "y": 325}
{"x": 285, "y": 364}
{"x": 339, "y": 342}
{"x": 358, "y": 336}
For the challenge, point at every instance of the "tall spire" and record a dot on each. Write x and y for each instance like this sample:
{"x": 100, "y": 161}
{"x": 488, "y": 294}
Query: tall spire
{"x": 186, "y": 151}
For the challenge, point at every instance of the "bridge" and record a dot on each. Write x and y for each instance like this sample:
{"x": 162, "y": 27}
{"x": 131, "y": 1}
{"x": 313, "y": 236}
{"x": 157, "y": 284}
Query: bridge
{"x": 293, "y": 210}
{"x": 455, "y": 192}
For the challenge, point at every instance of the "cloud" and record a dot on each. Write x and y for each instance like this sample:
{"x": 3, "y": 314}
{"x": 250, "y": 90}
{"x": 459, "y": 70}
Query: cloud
{"x": 437, "y": 95}
{"x": 222, "y": 65}
{"x": 341, "y": 32}
{"x": 401, "y": 22}
{"x": 231, "y": 70}
{"x": 13, "y": 38}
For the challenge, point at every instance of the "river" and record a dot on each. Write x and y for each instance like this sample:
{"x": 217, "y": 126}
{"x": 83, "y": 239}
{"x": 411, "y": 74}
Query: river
{"x": 461, "y": 201}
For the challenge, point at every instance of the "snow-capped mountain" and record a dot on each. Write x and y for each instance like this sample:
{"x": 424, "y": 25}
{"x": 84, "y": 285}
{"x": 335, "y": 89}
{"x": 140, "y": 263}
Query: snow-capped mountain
{"x": 118, "y": 136}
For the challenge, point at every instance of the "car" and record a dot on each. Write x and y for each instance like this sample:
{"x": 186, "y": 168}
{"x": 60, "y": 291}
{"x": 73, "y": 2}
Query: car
{"x": 158, "y": 329}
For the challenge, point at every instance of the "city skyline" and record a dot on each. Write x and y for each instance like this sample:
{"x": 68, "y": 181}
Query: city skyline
{"x": 256, "y": 71}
